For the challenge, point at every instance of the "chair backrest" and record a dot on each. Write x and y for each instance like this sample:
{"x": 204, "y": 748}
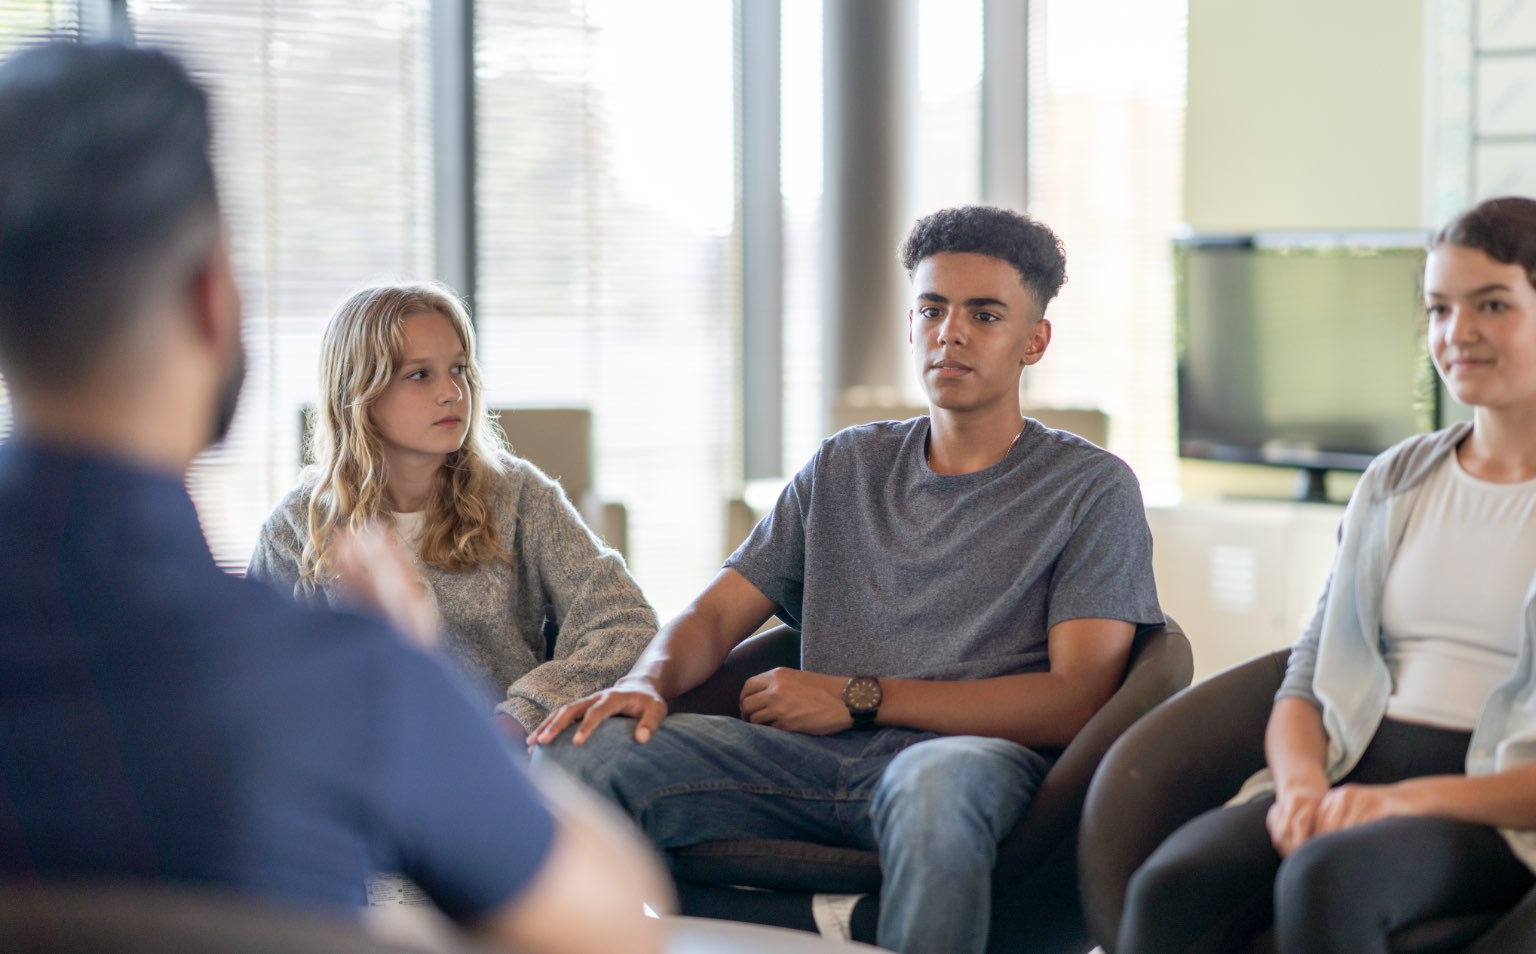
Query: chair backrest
{"x": 1088, "y": 423}
{"x": 123, "y": 918}
{"x": 1186, "y": 756}
{"x": 1161, "y": 664}
{"x": 1034, "y": 884}
{"x": 558, "y": 440}
{"x": 720, "y": 694}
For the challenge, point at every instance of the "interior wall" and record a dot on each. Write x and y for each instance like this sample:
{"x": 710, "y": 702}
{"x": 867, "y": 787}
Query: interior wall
{"x": 1301, "y": 115}
{"x": 1304, "y": 115}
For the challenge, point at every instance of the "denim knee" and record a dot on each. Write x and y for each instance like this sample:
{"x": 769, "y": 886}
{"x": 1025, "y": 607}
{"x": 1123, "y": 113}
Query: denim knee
{"x": 942, "y": 787}
{"x": 598, "y": 759}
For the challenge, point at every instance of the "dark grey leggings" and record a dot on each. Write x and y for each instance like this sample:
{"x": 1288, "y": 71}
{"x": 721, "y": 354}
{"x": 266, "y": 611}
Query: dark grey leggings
{"x": 1217, "y": 881}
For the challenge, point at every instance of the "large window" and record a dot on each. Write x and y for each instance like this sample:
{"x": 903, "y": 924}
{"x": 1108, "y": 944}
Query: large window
{"x": 607, "y": 206}
{"x": 607, "y": 253}
{"x": 1106, "y": 161}
{"x": 324, "y": 162}
{"x": 1106, "y": 132}
{"x": 607, "y": 203}
{"x": 946, "y": 110}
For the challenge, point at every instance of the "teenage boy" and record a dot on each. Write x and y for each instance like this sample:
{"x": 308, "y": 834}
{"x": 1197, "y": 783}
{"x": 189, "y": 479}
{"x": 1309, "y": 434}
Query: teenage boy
{"x": 967, "y": 586}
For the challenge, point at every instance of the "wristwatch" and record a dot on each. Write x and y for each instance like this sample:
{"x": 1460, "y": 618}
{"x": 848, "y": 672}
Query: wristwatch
{"x": 862, "y": 697}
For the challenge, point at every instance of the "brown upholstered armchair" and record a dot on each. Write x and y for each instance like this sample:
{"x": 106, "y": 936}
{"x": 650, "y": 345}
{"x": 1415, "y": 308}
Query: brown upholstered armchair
{"x": 97, "y": 917}
{"x": 1191, "y": 754}
{"x": 1035, "y": 901}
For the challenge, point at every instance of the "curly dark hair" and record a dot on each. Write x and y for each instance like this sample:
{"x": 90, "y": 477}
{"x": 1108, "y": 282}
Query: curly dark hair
{"x": 1029, "y": 246}
{"x": 1504, "y": 229}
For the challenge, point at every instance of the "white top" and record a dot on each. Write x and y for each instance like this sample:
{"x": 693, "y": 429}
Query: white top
{"x": 1451, "y": 609}
{"x": 409, "y": 527}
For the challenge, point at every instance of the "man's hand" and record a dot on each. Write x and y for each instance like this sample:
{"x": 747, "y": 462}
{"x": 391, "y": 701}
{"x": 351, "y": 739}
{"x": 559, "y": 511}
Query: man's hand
{"x": 1293, "y": 818}
{"x": 805, "y": 702}
{"x": 635, "y": 698}
{"x": 375, "y": 574}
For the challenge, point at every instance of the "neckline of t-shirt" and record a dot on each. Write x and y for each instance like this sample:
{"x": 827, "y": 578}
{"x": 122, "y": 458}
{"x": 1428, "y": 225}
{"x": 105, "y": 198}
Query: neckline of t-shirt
{"x": 1459, "y": 472}
{"x": 1018, "y": 441}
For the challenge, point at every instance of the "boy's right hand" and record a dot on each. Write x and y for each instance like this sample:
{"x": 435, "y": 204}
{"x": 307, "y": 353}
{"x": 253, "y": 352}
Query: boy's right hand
{"x": 637, "y": 699}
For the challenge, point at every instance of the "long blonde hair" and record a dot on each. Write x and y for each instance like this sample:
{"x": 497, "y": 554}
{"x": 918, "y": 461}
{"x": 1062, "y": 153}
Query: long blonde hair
{"x": 359, "y": 356}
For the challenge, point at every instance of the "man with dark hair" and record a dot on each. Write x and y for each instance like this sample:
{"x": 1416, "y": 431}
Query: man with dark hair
{"x": 967, "y": 586}
{"x": 159, "y": 719}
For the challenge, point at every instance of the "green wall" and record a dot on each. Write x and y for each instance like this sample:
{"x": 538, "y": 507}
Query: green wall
{"x": 1304, "y": 114}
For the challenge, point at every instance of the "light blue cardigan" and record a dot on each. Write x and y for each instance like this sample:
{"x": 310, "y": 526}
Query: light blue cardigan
{"x": 1337, "y": 664}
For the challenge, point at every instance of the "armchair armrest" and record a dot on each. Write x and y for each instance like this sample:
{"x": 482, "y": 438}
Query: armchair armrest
{"x": 720, "y": 694}
{"x": 608, "y": 519}
{"x": 1187, "y": 756}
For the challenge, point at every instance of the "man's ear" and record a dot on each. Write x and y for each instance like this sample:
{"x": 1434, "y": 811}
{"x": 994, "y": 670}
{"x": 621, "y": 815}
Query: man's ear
{"x": 909, "y": 326}
{"x": 215, "y": 299}
{"x": 1039, "y": 340}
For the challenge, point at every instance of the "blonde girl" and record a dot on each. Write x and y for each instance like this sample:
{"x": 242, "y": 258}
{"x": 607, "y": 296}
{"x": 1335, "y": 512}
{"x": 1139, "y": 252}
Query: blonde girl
{"x": 402, "y": 437}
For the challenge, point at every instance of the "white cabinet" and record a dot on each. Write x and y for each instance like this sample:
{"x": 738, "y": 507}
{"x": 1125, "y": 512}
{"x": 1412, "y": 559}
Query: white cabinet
{"x": 1241, "y": 576}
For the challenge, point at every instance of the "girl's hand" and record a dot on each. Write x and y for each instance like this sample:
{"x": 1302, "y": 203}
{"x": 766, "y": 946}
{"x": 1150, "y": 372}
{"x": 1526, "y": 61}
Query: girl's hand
{"x": 1351, "y": 805}
{"x": 1292, "y": 819}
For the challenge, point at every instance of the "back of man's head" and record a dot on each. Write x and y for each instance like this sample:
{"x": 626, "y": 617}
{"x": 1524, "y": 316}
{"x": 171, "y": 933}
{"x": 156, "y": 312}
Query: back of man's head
{"x": 106, "y": 190}
{"x": 1029, "y": 246}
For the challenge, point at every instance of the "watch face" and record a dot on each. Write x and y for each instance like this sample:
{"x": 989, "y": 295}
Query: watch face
{"x": 862, "y": 694}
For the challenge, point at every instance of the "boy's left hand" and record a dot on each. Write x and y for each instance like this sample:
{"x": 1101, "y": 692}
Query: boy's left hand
{"x": 806, "y": 702}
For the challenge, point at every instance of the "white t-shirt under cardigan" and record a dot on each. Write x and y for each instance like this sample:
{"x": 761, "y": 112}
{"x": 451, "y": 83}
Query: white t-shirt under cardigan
{"x": 1451, "y": 608}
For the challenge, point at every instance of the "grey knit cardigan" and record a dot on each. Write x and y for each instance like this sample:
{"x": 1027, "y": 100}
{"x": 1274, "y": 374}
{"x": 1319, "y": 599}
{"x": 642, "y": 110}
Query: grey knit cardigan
{"x": 492, "y": 616}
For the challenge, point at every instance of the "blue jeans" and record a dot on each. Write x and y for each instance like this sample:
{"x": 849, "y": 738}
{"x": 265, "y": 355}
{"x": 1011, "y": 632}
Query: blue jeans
{"x": 934, "y": 806}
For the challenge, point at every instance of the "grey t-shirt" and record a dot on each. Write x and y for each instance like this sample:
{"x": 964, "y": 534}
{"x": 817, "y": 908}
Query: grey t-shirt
{"x": 892, "y": 570}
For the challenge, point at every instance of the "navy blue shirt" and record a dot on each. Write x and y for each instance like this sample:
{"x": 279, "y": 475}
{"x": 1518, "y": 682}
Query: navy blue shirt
{"x": 161, "y": 719}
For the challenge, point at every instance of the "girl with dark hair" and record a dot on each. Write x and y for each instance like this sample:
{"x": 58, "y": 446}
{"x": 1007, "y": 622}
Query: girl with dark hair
{"x": 1401, "y": 749}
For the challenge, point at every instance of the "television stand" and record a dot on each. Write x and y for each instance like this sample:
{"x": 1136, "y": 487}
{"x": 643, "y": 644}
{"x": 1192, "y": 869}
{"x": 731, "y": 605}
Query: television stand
{"x": 1312, "y": 485}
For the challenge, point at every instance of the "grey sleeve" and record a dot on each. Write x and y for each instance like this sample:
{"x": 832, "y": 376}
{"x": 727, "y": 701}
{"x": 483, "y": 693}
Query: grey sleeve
{"x": 1302, "y": 664}
{"x": 772, "y": 558}
{"x": 1105, "y": 569}
{"x": 275, "y": 559}
{"x": 605, "y": 621}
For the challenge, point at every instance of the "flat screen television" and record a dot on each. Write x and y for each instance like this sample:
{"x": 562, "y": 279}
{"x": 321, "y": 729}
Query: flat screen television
{"x": 1301, "y": 350}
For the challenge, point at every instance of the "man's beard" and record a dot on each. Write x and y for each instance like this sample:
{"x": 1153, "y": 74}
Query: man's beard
{"x": 229, "y": 395}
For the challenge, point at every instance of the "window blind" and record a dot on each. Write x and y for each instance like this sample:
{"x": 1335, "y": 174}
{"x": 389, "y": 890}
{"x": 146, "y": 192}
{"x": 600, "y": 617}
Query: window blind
{"x": 1106, "y": 172}
{"x": 607, "y": 203}
{"x": 1106, "y": 167}
{"x": 324, "y": 164}
{"x": 606, "y": 195}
